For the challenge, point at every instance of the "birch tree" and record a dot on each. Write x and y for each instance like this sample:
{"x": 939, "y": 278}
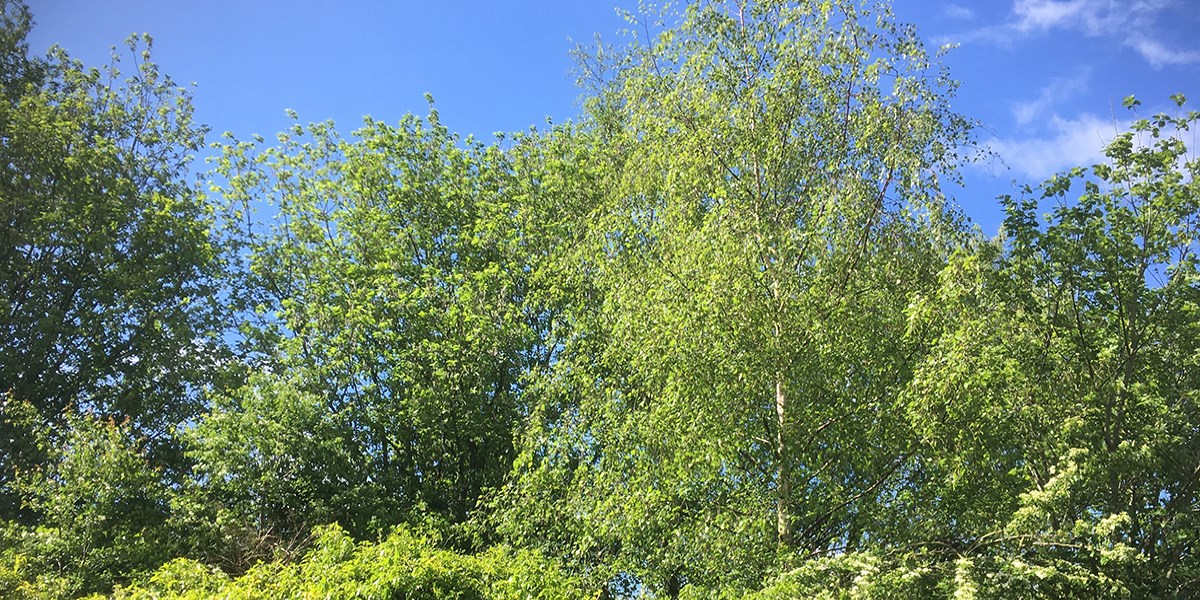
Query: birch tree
{"x": 776, "y": 203}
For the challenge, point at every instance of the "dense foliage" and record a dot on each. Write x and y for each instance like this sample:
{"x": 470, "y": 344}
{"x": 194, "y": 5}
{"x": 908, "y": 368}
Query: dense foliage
{"x": 405, "y": 564}
{"x": 724, "y": 336}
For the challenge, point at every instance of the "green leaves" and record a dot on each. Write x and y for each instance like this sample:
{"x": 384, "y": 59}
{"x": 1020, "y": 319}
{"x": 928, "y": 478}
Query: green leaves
{"x": 405, "y": 564}
{"x": 104, "y": 506}
{"x": 110, "y": 323}
{"x": 390, "y": 282}
{"x": 1059, "y": 365}
{"x": 277, "y": 460}
{"x": 729, "y": 380}
{"x": 725, "y": 336}
{"x": 108, "y": 271}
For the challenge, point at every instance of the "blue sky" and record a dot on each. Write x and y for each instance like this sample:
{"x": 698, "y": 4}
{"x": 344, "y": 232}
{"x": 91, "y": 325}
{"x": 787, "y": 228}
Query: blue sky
{"x": 1045, "y": 77}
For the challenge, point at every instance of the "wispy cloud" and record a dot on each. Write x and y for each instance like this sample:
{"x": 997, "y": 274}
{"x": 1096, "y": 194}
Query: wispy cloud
{"x": 1158, "y": 55}
{"x": 954, "y": 11}
{"x": 1131, "y": 23}
{"x": 1044, "y": 14}
{"x": 1058, "y": 91}
{"x": 1068, "y": 143}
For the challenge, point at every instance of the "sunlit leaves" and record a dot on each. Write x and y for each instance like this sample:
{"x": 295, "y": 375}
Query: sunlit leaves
{"x": 388, "y": 281}
{"x": 1060, "y": 382}
{"x": 770, "y": 211}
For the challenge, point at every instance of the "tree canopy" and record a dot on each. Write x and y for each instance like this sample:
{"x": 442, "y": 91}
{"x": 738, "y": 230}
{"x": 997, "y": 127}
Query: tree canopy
{"x": 724, "y": 335}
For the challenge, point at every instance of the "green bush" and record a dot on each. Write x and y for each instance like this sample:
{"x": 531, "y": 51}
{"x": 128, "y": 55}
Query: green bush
{"x": 406, "y": 564}
{"x": 102, "y": 508}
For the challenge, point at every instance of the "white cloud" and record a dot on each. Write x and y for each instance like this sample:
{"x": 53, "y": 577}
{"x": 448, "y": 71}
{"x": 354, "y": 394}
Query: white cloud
{"x": 1057, "y": 91}
{"x": 954, "y": 11}
{"x": 1070, "y": 143}
{"x": 1044, "y": 14}
{"x": 1131, "y": 23}
{"x": 1158, "y": 55}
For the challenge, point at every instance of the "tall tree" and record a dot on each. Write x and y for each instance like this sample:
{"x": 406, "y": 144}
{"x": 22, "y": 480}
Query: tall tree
{"x": 107, "y": 268}
{"x": 775, "y": 206}
{"x": 1060, "y": 396}
{"x": 388, "y": 283}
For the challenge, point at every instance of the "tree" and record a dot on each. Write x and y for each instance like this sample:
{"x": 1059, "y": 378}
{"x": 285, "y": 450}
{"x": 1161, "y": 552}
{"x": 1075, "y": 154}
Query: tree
{"x": 104, "y": 505}
{"x": 735, "y": 389}
{"x": 389, "y": 285}
{"x": 108, "y": 272}
{"x": 1060, "y": 396}
{"x": 272, "y": 461}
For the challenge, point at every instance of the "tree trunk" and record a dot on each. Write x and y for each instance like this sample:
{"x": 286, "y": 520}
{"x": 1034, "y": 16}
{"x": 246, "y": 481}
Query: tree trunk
{"x": 674, "y": 584}
{"x": 783, "y": 484}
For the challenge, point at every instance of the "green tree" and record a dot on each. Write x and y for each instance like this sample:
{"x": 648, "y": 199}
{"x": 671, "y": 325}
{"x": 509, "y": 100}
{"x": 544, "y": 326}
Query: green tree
{"x": 272, "y": 460}
{"x": 108, "y": 271}
{"x": 734, "y": 390}
{"x": 19, "y": 69}
{"x": 388, "y": 283}
{"x": 104, "y": 507}
{"x": 1059, "y": 401}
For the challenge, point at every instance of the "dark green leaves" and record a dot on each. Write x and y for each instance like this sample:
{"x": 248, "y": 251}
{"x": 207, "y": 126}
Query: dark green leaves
{"x": 108, "y": 270}
{"x": 389, "y": 283}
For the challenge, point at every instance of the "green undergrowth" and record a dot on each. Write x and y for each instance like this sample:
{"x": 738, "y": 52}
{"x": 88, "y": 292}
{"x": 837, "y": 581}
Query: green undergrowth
{"x": 406, "y": 564}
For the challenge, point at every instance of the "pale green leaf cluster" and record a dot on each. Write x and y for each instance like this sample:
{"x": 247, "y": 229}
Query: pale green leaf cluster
{"x": 404, "y": 564}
